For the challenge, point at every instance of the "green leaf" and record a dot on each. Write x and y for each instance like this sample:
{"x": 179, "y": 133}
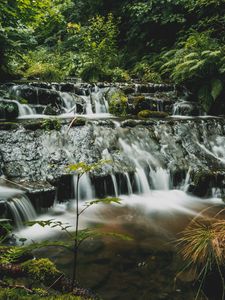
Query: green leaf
{"x": 105, "y": 201}
{"x": 217, "y": 87}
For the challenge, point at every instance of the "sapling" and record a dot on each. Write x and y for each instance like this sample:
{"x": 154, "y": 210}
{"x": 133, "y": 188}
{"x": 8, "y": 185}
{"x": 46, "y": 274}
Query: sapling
{"x": 78, "y": 236}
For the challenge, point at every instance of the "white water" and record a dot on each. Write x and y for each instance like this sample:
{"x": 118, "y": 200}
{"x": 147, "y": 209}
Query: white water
{"x": 156, "y": 203}
{"x": 18, "y": 204}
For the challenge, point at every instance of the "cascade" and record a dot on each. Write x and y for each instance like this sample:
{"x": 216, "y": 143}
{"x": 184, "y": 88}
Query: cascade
{"x": 18, "y": 206}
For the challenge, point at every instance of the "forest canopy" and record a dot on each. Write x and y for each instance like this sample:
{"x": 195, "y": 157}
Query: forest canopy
{"x": 152, "y": 40}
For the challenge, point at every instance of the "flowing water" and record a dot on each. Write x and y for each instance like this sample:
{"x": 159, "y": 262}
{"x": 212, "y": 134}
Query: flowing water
{"x": 151, "y": 171}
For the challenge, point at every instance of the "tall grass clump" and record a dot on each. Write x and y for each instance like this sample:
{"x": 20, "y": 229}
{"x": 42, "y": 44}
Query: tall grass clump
{"x": 202, "y": 247}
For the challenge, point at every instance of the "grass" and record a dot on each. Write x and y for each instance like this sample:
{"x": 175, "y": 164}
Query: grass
{"x": 202, "y": 246}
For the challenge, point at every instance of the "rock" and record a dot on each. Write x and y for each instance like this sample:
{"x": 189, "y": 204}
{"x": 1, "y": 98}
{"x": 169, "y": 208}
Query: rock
{"x": 36, "y": 95}
{"x": 52, "y": 110}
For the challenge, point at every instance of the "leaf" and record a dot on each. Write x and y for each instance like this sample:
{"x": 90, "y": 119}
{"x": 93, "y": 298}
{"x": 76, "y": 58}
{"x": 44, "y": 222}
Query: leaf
{"x": 105, "y": 201}
{"x": 82, "y": 168}
{"x": 217, "y": 87}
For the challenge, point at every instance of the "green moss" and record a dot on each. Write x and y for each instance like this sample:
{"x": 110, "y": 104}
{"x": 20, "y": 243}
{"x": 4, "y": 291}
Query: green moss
{"x": 51, "y": 124}
{"x": 118, "y": 103}
{"x": 145, "y": 114}
{"x": 19, "y": 294}
{"x": 40, "y": 269}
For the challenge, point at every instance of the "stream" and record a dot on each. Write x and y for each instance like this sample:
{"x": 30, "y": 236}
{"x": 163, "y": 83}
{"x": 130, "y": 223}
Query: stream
{"x": 165, "y": 171}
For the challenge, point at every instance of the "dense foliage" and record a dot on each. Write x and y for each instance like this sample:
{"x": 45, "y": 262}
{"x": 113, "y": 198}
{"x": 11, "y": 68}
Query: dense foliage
{"x": 180, "y": 41}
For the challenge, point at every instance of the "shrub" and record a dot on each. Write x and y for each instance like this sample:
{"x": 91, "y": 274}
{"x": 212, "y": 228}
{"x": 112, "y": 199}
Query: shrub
{"x": 145, "y": 114}
{"x": 43, "y": 71}
{"x": 40, "y": 269}
{"x": 45, "y": 65}
{"x": 93, "y": 73}
{"x": 96, "y": 45}
{"x": 120, "y": 75}
{"x": 144, "y": 72}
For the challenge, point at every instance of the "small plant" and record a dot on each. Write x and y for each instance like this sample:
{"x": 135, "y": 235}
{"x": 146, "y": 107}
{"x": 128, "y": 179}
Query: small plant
{"x": 77, "y": 238}
{"x": 51, "y": 124}
{"x": 202, "y": 246}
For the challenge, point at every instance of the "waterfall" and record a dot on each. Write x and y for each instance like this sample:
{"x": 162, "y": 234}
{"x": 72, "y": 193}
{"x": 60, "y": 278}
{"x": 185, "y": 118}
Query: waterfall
{"x": 21, "y": 210}
{"x": 86, "y": 191}
{"x": 18, "y": 206}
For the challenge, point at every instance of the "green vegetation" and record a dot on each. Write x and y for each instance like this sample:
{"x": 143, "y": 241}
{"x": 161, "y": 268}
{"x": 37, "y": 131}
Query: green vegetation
{"x": 51, "y": 124}
{"x": 149, "y": 40}
{"x": 17, "y": 294}
{"x": 40, "y": 269}
{"x": 202, "y": 247}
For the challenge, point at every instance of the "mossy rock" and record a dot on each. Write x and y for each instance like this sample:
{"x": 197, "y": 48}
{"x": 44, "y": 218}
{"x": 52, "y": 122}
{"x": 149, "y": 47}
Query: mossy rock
{"x": 42, "y": 269}
{"x": 146, "y": 114}
{"x": 79, "y": 122}
{"x": 118, "y": 103}
{"x": 9, "y": 110}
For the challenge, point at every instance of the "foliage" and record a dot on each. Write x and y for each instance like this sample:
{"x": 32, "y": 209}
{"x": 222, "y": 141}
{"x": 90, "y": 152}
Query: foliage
{"x": 202, "y": 246}
{"x": 96, "y": 44}
{"x": 119, "y": 75}
{"x": 144, "y": 72}
{"x": 118, "y": 103}
{"x": 199, "y": 63}
{"x": 51, "y": 124}
{"x": 44, "y": 65}
{"x": 93, "y": 73}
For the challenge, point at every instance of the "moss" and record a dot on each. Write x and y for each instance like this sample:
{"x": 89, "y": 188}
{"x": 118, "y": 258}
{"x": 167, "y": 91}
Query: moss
{"x": 40, "y": 269}
{"x": 118, "y": 103}
{"x": 145, "y": 114}
{"x": 51, "y": 124}
{"x": 19, "y": 294}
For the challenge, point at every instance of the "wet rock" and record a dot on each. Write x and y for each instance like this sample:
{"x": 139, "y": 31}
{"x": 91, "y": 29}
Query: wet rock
{"x": 204, "y": 180}
{"x": 36, "y": 95}
{"x": 186, "y": 108}
{"x": 52, "y": 110}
